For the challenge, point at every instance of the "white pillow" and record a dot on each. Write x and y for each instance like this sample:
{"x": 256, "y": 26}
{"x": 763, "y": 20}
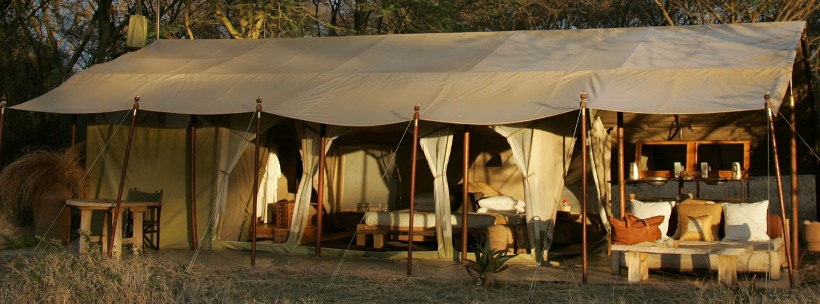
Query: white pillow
{"x": 649, "y": 209}
{"x": 498, "y": 203}
{"x": 745, "y": 221}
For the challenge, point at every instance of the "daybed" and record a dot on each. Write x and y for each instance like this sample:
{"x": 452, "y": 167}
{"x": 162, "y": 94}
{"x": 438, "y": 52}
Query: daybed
{"x": 744, "y": 239}
{"x": 395, "y": 224}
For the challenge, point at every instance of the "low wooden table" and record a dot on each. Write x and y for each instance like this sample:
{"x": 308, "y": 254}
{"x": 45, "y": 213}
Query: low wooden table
{"x": 638, "y": 267}
{"x": 87, "y": 206}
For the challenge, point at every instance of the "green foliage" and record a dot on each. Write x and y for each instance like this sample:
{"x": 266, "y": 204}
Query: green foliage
{"x": 487, "y": 263}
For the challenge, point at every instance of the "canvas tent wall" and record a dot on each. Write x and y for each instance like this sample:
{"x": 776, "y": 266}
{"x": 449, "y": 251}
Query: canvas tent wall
{"x": 491, "y": 79}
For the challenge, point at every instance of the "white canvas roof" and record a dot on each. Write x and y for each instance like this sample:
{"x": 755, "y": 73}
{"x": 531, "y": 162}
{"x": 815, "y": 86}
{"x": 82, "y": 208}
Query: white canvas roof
{"x": 467, "y": 78}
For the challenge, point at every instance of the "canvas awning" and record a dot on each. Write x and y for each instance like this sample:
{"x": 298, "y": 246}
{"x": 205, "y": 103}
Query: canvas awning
{"x": 467, "y": 78}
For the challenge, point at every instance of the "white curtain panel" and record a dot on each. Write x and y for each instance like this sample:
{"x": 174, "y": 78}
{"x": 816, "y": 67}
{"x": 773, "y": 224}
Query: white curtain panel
{"x": 437, "y": 146}
{"x": 310, "y": 139}
{"x": 600, "y": 149}
{"x": 539, "y": 149}
{"x": 231, "y": 144}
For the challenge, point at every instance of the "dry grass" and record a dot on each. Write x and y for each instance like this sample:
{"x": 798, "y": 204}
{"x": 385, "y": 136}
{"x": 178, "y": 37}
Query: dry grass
{"x": 56, "y": 276}
{"x": 32, "y": 175}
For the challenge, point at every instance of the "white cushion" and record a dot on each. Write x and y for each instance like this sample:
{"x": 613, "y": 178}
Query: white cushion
{"x": 745, "y": 221}
{"x": 649, "y": 209}
{"x": 498, "y": 203}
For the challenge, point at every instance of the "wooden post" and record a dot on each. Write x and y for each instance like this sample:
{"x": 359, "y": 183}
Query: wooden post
{"x": 116, "y": 215}
{"x": 73, "y": 129}
{"x": 786, "y": 231}
{"x": 584, "y": 157}
{"x": 2, "y": 116}
{"x": 795, "y": 206}
{"x": 255, "y": 190}
{"x": 321, "y": 191}
{"x": 465, "y": 199}
{"x": 621, "y": 174}
{"x": 413, "y": 189}
{"x": 194, "y": 234}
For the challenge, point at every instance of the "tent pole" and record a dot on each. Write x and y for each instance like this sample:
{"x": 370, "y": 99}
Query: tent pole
{"x": 115, "y": 217}
{"x": 465, "y": 198}
{"x": 795, "y": 203}
{"x": 786, "y": 231}
{"x": 194, "y": 234}
{"x": 321, "y": 191}
{"x": 584, "y": 159}
{"x": 2, "y": 116}
{"x": 255, "y": 190}
{"x": 621, "y": 180}
{"x": 73, "y": 129}
{"x": 413, "y": 189}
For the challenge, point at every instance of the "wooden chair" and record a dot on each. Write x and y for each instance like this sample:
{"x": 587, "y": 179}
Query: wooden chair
{"x": 151, "y": 219}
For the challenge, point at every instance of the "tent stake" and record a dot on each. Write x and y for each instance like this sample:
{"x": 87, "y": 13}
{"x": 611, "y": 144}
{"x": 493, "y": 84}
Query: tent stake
{"x": 795, "y": 203}
{"x": 584, "y": 158}
{"x": 194, "y": 234}
{"x": 786, "y": 231}
{"x": 321, "y": 191}
{"x": 413, "y": 189}
{"x": 115, "y": 217}
{"x": 2, "y": 115}
{"x": 255, "y": 191}
{"x": 465, "y": 198}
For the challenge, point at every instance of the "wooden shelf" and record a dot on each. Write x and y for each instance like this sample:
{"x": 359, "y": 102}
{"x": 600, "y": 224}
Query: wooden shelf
{"x": 690, "y": 153}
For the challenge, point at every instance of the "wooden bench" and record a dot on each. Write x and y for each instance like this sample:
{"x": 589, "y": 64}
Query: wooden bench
{"x": 638, "y": 265}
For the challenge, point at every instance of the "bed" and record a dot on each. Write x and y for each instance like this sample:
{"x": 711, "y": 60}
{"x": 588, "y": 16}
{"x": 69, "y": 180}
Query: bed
{"x": 395, "y": 224}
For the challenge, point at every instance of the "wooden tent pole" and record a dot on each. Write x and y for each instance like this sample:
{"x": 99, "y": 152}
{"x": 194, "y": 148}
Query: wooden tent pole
{"x": 73, "y": 129}
{"x": 413, "y": 189}
{"x": 194, "y": 234}
{"x": 584, "y": 159}
{"x": 320, "y": 201}
{"x": 465, "y": 198}
{"x": 255, "y": 190}
{"x": 115, "y": 217}
{"x": 621, "y": 179}
{"x": 795, "y": 205}
{"x": 2, "y": 116}
{"x": 786, "y": 231}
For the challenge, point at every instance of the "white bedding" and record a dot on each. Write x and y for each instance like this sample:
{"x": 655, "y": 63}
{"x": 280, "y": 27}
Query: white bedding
{"x": 428, "y": 219}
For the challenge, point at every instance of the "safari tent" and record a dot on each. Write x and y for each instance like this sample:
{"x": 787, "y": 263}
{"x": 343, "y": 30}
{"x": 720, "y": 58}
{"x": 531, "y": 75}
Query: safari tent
{"x": 517, "y": 92}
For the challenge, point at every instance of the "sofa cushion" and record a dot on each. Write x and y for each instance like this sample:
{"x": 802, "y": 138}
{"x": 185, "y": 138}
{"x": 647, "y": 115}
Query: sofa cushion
{"x": 645, "y": 210}
{"x": 687, "y": 211}
{"x": 745, "y": 221}
{"x": 696, "y": 228}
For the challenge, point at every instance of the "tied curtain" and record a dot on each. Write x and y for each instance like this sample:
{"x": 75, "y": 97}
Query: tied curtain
{"x": 233, "y": 141}
{"x": 600, "y": 151}
{"x": 541, "y": 150}
{"x": 310, "y": 139}
{"x": 437, "y": 146}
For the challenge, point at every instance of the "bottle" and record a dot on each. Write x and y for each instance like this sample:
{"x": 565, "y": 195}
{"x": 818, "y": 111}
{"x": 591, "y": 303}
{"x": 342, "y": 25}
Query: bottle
{"x": 565, "y": 206}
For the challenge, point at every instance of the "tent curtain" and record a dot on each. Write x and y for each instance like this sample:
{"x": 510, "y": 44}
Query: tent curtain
{"x": 310, "y": 140}
{"x": 436, "y": 147}
{"x": 600, "y": 151}
{"x": 539, "y": 150}
{"x": 232, "y": 144}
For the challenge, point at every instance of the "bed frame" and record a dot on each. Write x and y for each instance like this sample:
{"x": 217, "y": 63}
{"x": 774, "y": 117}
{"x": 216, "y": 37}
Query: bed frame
{"x": 420, "y": 234}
